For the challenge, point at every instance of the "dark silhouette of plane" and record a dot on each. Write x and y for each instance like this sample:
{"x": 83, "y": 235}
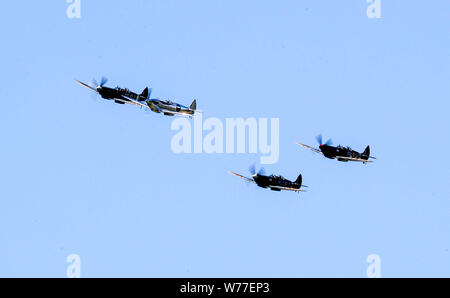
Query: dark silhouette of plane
{"x": 340, "y": 153}
{"x": 119, "y": 95}
{"x": 274, "y": 182}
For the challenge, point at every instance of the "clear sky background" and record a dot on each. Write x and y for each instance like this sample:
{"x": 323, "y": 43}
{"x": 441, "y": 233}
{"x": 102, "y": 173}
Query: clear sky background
{"x": 98, "y": 179}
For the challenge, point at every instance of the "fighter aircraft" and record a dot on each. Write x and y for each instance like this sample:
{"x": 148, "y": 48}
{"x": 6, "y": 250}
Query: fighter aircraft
{"x": 275, "y": 183}
{"x": 170, "y": 108}
{"x": 167, "y": 107}
{"x": 341, "y": 153}
{"x": 119, "y": 95}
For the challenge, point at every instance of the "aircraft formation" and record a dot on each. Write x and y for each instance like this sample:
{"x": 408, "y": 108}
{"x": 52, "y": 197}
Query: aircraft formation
{"x": 125, "y": 96}
{"x": 278, "y": 183}
{"x": 170, "y": 108}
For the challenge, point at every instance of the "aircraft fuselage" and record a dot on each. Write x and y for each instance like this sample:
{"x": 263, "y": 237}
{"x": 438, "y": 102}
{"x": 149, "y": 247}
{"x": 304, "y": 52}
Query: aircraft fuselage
{"x": 335, "y": 152}
{"x": 119, "y": 93}
{"x": 270, "y": 181}
{"x": 168, "y": 107}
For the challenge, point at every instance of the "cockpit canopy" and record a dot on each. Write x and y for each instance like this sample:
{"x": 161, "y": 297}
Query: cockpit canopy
{"x": 167, "y": 101}
{"x": 344, "y": 148}
{"x": 279, "y": 177}
{"x": 126, "y": 90}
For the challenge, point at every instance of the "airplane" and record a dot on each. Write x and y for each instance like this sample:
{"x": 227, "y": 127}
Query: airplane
{"x": 340, "y": 153}
{"x": 170, "y": 108}
{"x": 275, "y": 183}
{"x": 119, "y": 95}
{"x": 167, "y": 107}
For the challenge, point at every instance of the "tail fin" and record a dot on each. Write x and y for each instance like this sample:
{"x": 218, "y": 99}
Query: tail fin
{"x": 193, "y": 105}
{"x": 145, "y": 94}
{"x": 366, "y": 153}
{"x": 299, "y": 180}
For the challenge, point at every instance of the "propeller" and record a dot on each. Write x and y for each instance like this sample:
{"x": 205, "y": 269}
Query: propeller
{"x": 262, "y": 171}
{"x": 320, "y": 141}
{"x": 103, "y": 81}
{"x": 252, "y": 170}
{"x": 146, "y": 110}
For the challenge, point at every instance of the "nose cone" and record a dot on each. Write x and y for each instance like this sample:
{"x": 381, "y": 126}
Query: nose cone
{"x": 256, "y": 178}
{"x": 323, "y": 148}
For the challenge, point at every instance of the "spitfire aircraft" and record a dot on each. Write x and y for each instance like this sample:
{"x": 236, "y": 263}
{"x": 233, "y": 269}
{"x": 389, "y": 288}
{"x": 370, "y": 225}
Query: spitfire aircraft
{"x": 340, "y": 153}
{"x": 119, "y": 95}
{"x": 170, "y": 108}
{"x": 275, "y": 183}
{"x": 167, "y": 107}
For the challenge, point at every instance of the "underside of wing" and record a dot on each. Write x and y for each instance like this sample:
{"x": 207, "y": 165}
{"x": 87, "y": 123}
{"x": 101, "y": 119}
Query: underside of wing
{"x": 129, "y": 101}
{"x": 310, "y": 148}
{"x": 243, "y": 177}
{"x": 287, "y": 188}
{"x": 132, "y": 101}
{"x": 345, "y": 158}
{"x": 86, "y": 85}
{"x": 173, "y": 113}
{"x": 182, "y": 114}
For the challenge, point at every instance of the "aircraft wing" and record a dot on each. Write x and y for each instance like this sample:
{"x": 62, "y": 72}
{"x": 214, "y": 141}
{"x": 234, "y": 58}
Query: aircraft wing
{"x": 86, "y": 85}
{"x": 131, "y": 101}
{"x": 352, "y": 159}
{"x": 181, "y": 114}
{"x": 309, "y": 147}
{"x": 177, "y": 113}
{"x": 287, "y": 188}
{"x": 243, "y": 177}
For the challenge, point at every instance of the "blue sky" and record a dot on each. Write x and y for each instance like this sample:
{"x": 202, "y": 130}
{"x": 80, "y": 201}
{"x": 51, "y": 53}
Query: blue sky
{"x": 99, "y": 180}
